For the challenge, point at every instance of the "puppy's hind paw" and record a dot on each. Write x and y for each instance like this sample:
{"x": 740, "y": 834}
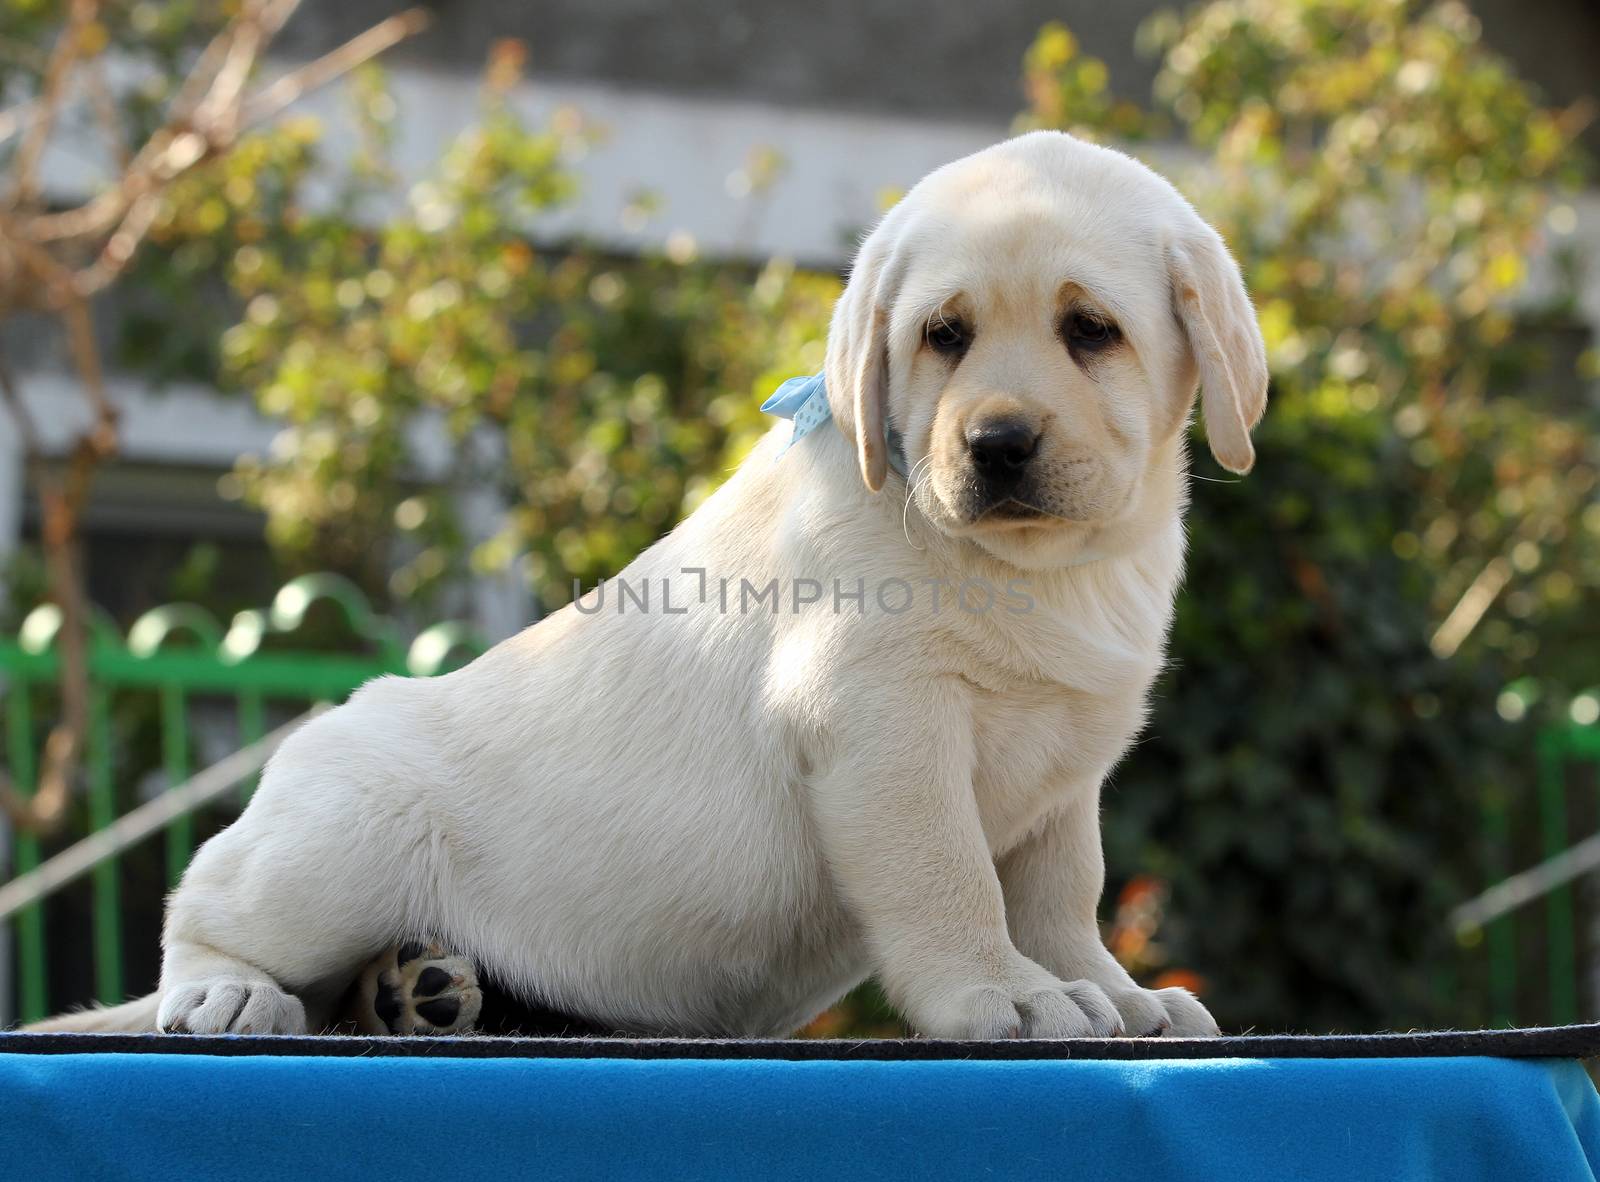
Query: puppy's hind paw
{"x": 417, "y": 989}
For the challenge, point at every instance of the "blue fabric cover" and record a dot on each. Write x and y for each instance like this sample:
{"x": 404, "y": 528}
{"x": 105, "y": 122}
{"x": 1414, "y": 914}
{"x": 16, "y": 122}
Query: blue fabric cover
{"x": 175, "y": 1117}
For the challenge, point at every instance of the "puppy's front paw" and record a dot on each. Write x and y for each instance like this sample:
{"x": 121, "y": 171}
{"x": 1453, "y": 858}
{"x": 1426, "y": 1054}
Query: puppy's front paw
{"x": 227, "y": 1005}
{"x": 418, "y": 989}
{"x": 1163, "y": 1013}
{"x": 1035, "y": 1006}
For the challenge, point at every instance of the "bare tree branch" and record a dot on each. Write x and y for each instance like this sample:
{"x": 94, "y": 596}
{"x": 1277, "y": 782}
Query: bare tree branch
{"x": 120, "y": 247}
{"x": 25, "y": 187}
{"x": 217, "y": 116}
{"x": 101, "y": 437}
{"x": 45, "y": 807}
{"x": 191, "y": 137}
{"x": 56, "y": 261}
{"x": 358, "y": 50}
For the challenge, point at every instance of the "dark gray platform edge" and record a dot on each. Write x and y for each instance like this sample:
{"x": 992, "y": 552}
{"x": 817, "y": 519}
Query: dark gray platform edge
{"x": 1561, "y": 1042}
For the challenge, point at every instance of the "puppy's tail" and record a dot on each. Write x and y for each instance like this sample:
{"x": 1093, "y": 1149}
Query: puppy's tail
{"x": 133, "y": 1017}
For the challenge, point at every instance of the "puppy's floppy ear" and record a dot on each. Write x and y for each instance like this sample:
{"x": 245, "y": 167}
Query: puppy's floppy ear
{"x": 857, "y": 365}
{"x": 1214, "y": 309}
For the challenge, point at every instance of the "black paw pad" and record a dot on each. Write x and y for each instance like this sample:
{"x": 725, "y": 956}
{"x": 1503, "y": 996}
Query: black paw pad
{"x": 418, "y": 988}
{"x": 431, "y": 981}
{"x": 386, "y": 1004}
{"x": 410, "y": 951}
{"x": 441, "y": 1011}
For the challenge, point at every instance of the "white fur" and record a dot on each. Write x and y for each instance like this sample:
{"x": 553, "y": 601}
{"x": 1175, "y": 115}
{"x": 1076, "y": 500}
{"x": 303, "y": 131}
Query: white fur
{"x": 716, "y": 823}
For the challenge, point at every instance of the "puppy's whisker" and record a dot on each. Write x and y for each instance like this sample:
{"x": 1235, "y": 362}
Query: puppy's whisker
{"x": 918, "y": 470}
{"x": 937, "y": 314}
{"x": 1211, "y": 479}
{"x": 915, "y": 473}
{"x": 922, "y": 466}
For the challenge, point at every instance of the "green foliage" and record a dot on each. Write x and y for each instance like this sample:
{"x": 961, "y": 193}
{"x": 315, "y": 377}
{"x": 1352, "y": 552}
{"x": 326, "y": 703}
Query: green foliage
{"x": 1313, "y": 781}
{"x": 602, "y": 397}
{"x": 1069, "y": 92}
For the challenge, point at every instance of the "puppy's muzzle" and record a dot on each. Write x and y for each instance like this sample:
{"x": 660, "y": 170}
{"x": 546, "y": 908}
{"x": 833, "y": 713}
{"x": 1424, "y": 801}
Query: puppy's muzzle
{"x": 1001, "y": 453}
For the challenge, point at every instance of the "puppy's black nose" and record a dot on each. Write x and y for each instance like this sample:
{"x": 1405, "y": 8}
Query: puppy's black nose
{"x": 1002, "y": 449}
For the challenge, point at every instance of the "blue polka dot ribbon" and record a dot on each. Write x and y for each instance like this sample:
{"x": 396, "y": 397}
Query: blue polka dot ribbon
{"x": 805, "y": 400}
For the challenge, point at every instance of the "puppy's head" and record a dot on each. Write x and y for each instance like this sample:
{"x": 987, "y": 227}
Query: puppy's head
{"x": 1025, "y": 330}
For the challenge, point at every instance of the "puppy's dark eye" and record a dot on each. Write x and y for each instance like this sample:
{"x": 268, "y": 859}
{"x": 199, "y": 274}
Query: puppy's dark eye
{"x": 1085, "y": 330}
{"x": 948, "y": 336}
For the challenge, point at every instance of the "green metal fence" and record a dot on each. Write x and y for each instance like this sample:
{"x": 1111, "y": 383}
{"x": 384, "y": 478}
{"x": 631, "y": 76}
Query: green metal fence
{"x": 175, "y": 657}
{"x": 1539, "y": 956}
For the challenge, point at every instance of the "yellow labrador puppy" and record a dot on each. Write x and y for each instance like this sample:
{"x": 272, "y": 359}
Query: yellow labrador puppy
{"x": 841, "y": 721}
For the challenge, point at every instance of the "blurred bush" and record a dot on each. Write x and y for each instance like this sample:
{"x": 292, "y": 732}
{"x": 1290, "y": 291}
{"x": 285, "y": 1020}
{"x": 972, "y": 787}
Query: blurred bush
{"x": 1421, "y": 525}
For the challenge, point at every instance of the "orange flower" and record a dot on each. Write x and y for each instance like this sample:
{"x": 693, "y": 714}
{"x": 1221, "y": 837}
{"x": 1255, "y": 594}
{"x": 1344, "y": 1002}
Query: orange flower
{"x": 1139, "y": 888}
{"x": 1183, "y": 978}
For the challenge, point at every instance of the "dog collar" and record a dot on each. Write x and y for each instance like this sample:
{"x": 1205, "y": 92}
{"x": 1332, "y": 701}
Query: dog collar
{"x": 805, "y": 401}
